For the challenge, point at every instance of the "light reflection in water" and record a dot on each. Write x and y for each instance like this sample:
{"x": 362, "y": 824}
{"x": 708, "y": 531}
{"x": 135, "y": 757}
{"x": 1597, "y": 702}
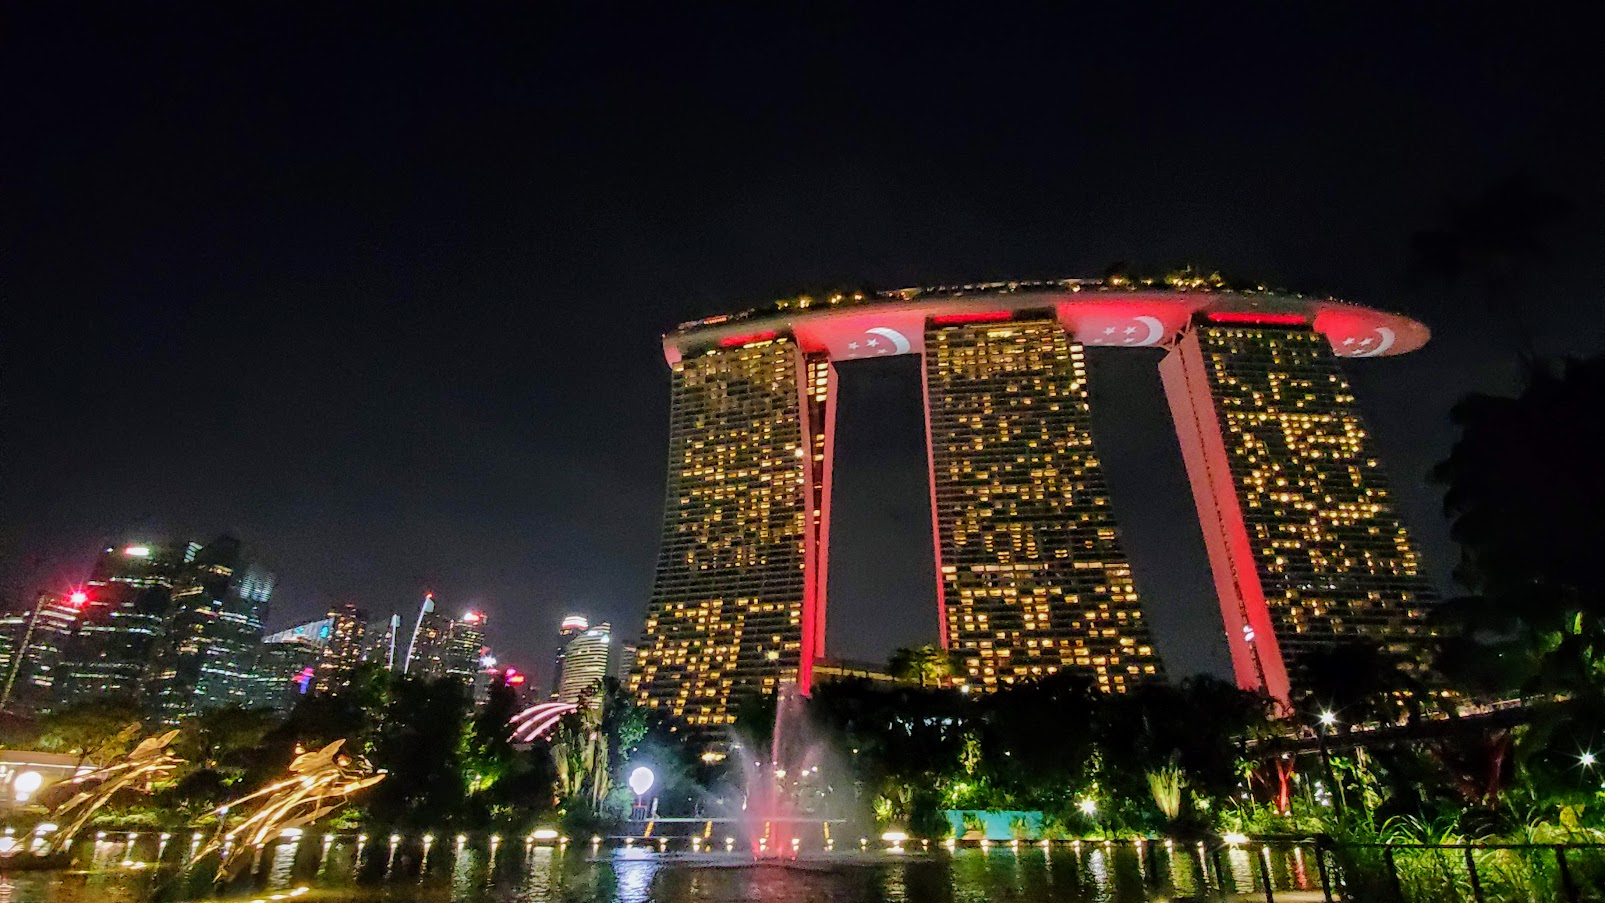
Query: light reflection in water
{"x": 1240, "y": 865}
{"x": 281, "y": 868}
{"x": 544, "y": 874}
{"x": 634, "y": 870}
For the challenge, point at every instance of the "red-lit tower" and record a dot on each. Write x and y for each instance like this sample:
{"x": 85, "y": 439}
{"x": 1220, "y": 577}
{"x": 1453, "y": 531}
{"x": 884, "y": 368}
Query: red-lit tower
{"x": 1306, "y": 546}
{"x": 1031, "y": 574}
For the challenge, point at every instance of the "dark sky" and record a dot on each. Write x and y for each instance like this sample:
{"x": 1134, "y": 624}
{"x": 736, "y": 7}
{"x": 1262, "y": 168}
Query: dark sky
{"x": 381, "y": 291}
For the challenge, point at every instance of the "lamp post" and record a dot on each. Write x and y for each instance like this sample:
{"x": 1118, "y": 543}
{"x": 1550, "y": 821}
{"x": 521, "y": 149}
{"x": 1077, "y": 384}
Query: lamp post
{"x": 1089, "y": 808}
{"x": 1329, "y": 721}
{"x": 641, "y": 780}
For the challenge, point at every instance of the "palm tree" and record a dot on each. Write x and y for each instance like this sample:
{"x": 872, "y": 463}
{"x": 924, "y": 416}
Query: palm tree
{"x": 927, "y": 665}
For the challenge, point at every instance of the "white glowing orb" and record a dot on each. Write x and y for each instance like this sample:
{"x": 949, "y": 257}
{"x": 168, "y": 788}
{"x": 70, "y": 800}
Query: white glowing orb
{"x": 641, "y": 780}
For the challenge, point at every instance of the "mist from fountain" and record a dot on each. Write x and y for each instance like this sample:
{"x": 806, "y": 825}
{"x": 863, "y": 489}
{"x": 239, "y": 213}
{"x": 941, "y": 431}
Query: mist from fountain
{"x": 787, "y": 797}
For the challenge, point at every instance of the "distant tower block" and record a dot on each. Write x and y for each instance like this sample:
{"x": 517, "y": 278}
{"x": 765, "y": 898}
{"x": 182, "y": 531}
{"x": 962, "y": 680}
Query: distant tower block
{"x": 1031, "y": 573}
{"x": 735, "y": 596}
{"x": 1302, "y": 535}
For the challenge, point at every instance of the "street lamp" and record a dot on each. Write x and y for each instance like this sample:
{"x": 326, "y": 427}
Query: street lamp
{"x": 641, "y": 780}
{"x": 1329, "y": 721}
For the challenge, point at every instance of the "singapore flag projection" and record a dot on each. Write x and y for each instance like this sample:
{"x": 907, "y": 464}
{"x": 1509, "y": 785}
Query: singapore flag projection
{"x": 1304, "y": 545}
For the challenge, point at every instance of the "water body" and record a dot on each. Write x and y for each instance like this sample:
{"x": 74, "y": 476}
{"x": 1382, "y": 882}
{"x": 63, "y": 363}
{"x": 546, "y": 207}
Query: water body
{"x": 319, "y": 871}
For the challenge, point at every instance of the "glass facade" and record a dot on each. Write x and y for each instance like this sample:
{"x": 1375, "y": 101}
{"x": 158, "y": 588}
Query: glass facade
{"x": 726, "y": 616}
{"x": 122, "y": 622}
{"x": 1302, "y": 533}
{"x": 1032, "y": 575}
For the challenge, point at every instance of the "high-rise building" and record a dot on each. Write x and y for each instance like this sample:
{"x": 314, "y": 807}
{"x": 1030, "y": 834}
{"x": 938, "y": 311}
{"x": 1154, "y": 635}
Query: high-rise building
{"x": 1028, "y": 556}
{"x": 585, "y": 662}
{"x": 287, "y": 668}
{"x": 727, "y": 611}
{"x": 207, "y": 656}
{"x": 31, "y": 644}
{"x": 571, "y": 625}
{"x": 122, "y": 622}
{"x": 426, "y": 652}
{"x": 1033, "y": 575}
{"x": 622, "y": 662}
{"x": 314, "y": 632}
{"x": 1303, "y": 536}
{"x": 442, "y": 646}
{"x": 380, "y": 641}
{"x": 342, "y": 649}
{"x": 465, "y": 647}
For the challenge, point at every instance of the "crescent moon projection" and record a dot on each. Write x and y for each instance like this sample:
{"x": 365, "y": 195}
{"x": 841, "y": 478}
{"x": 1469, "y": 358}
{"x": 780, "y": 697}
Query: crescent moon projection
{"x": 1156, "y": 330}
{"x": 900, "y": 344}
{"x": 1387, "y": 338}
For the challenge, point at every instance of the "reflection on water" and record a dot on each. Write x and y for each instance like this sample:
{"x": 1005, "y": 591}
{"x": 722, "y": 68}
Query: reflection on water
{"x": 326, "y": 868}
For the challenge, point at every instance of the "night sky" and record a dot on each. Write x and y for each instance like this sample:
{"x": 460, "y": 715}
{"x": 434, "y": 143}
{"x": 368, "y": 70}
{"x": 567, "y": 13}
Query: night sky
{"x": 381, "y": 292}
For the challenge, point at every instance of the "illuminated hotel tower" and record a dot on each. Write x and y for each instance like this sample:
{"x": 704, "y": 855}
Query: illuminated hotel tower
{"x": 1032, "y": 574}
{"x": 1303, "y": 538}
{"x": 736, "y": 568}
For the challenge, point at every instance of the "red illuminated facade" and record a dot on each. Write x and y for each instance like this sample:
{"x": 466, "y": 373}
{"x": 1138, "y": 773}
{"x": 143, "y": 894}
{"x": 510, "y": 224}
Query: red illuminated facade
{"x": 1024, "y": 529}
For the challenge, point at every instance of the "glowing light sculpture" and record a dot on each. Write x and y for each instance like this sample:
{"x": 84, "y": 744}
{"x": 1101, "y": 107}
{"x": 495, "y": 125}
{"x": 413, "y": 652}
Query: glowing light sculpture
{"x": 146, "y": 764}
{"x": 318, "y": 783}
{"x": 535, "y": 721}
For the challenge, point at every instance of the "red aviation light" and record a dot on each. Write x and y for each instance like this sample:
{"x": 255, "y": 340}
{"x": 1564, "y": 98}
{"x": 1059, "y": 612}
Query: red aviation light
{"x": 1252, "y": 318}
{"x": 78, "y": 598}
{"x": 991, "y": 316}
{"x": 736, "y": 341}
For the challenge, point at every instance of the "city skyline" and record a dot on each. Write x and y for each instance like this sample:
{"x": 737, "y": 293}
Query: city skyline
{"x": 412, "y": 345}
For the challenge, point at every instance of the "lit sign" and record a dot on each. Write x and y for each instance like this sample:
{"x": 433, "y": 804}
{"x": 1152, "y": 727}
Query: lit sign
{"x": 137, "y": 551}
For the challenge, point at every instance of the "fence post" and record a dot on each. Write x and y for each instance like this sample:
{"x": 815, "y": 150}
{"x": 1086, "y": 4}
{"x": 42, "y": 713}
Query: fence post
{"x": 1476, "y": 883}
{"x": 1393, "y": 874}
{"x": 1566, "y": 885}
{"x": 1264, "y": 858}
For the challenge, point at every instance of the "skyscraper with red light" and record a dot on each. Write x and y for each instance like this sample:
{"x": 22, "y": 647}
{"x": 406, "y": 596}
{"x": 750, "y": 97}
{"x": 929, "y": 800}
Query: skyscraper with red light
{"x": 1306, "y": 546}
{"x": 31, "y": 644}
{"x": 1032, "y": 575}
{"x": 738, "y": 567}
{"x": 1033, "y": 578}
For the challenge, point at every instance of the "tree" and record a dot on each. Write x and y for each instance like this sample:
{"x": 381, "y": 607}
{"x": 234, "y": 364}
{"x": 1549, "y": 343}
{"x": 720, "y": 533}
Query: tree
{"x": 928, "y": 665}
{"x": 420, "y": 744}
{"x": 93, "y": 730}
{"x": 224, "y": 738}
{"x": 488, "y": 753}
{"x": 1524, "y": 489}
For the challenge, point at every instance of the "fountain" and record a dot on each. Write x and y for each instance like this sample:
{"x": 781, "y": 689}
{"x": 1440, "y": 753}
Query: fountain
{"x": 787, "y": 791}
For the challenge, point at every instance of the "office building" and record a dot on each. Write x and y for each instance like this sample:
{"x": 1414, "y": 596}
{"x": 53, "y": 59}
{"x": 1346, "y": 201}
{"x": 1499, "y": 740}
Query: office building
{"x": 207, "y": 655}
{"x": 465, "y": 647}
{"x": 343, "y": 647}
{"x": 585, "y": 662}
{"x": 31, "y": 644}
{"x": 122, "y": 622}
